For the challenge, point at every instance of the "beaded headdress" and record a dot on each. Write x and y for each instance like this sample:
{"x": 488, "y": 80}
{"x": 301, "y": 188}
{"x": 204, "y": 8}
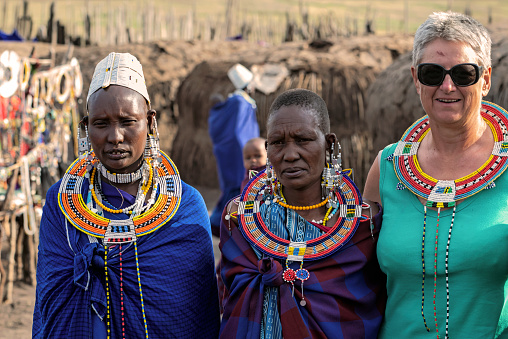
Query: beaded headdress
{"x": 122, "y": 69}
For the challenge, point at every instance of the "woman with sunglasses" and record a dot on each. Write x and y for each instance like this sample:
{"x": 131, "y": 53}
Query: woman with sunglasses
{"x": 444, "y": 194}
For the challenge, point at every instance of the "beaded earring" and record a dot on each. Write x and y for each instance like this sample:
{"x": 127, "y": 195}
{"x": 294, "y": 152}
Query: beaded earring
{"x": 85, "y": 152}
{"x": 270, "y": 189}
{"x": 83, "y": 143}
{"x": 332, "y": 176}
{"x": 152, "y": 145}
{"x": 336, "y": 159}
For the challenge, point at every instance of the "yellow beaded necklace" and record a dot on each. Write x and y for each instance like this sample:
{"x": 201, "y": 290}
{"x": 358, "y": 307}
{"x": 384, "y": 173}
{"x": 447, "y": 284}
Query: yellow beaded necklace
{"x": 114, "y": 211}
{"x": 299, "y": 208}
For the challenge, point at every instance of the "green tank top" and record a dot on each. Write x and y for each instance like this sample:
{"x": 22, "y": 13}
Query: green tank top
{"x": 477, "y": 263}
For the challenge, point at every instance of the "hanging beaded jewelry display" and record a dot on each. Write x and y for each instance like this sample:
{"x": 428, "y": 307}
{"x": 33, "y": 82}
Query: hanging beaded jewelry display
{"x": 445, "y": 193}
{"x": 70, "y": 199}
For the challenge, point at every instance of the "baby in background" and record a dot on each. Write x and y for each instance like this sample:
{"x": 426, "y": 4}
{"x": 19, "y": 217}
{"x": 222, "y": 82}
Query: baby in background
{"x": 254, "y": 158}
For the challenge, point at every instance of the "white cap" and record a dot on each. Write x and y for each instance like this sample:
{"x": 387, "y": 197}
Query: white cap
{"x": 122, "y": 69}
{"x": 240, "y": 76}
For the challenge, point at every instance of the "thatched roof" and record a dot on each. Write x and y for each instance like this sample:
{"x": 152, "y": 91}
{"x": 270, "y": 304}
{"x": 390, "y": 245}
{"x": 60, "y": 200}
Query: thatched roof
{"x": 340, "y": 73}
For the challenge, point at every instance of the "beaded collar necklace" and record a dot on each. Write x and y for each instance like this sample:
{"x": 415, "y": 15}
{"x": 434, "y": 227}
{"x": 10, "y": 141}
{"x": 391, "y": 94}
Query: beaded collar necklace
{"x": 348, "y": 202}
{"x": 73, "y": 206}
{"x": 258, "y": 235}
{"x": 445, "y": 193}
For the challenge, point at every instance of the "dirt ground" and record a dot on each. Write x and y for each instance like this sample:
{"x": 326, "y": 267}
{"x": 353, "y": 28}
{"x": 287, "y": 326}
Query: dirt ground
{"x": 16, "y": 319}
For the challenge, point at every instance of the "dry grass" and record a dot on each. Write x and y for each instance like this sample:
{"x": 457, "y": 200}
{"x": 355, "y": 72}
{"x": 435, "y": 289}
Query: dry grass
{"x": 388, "y": 15}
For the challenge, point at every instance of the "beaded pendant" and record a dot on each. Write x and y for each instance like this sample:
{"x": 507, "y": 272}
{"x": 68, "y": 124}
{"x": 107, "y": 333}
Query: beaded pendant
{"x": 444, "y": 193}
{"x": 70, "y": 200}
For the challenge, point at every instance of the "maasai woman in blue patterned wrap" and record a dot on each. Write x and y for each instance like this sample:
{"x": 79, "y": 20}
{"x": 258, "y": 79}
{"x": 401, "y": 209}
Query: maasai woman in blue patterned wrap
{"x": 298, "y": 245}
{"x": 125, "y": 246}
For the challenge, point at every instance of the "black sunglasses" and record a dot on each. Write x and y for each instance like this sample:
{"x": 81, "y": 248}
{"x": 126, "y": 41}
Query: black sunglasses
{"x": 462, "y": 74}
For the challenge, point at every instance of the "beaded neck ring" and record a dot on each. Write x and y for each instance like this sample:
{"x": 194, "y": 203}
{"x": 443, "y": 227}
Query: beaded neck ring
{"x": 254, "y": 229}
{"x": 144, "y": 187}
{"x": 445, "y": 193}
{"x": 71, "y": 203}
{"x": 300, "y": 208}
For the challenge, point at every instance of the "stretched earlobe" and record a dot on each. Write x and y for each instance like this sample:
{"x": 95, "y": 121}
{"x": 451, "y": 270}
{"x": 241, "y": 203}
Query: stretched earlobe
{"x": 150, "y": 116}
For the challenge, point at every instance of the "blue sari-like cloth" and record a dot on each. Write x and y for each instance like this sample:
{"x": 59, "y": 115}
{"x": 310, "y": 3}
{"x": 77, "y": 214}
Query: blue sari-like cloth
{"x": 176, "y": 265}
{"x": 231, "y": 124}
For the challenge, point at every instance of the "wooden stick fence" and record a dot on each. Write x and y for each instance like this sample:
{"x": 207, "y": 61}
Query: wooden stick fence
{"x": 115, "y": 22}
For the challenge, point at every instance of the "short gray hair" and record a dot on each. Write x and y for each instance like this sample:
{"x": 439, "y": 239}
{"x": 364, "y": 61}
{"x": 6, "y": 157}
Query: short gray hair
{"x": 453, "y": 27}
{"x": 305, "y": 99}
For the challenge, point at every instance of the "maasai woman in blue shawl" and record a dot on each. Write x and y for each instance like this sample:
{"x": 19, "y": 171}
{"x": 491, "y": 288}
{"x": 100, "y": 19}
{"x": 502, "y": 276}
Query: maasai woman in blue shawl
{"x": 231, "y": 124}
{"x": 125, "y": 246}
{"x": 299, "y": 244}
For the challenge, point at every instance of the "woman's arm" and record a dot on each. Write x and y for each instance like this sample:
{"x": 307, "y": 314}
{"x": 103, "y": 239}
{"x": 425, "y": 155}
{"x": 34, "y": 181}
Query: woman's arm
{"x": 371, "y": 190}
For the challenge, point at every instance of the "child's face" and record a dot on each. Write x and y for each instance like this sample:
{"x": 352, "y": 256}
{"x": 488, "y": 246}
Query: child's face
{"x": 254, "y": 155}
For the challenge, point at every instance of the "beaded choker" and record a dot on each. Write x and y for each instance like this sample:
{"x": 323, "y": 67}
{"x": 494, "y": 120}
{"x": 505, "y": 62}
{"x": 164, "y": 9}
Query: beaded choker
{"x": 445, "y": 193}
{"x": 122, "y": 178}
{"x": 73, "y": 206}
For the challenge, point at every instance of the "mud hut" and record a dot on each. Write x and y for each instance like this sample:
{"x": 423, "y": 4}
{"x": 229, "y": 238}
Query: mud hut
{"x": 340, "y": 71}
{"x": 393, "y": 104}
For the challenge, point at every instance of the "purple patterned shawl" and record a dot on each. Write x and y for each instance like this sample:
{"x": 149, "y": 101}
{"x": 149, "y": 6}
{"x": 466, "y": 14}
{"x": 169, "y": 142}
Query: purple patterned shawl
{"x": 345, "y": 293}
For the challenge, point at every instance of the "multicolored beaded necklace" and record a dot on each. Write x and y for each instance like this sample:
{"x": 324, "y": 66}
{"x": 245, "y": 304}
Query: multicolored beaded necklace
{"x": 254, "y": 229}
{"x": 445, "y": 193}
{"x": 164, "y": 179}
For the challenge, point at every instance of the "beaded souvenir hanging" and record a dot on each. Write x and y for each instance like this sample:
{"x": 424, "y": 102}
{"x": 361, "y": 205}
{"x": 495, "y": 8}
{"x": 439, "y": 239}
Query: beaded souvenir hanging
{"x": 70, "y": 200}
{"x": 258, "y": 235}
{"x": 444, "y": 193}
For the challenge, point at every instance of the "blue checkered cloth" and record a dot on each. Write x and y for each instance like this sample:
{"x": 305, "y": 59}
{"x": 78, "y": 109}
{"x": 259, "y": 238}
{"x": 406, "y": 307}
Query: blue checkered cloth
{"x": 177, "y": 276}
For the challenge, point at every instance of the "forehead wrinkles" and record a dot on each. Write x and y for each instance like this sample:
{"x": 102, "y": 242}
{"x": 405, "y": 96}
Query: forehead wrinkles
{"x": 294, "y": 115}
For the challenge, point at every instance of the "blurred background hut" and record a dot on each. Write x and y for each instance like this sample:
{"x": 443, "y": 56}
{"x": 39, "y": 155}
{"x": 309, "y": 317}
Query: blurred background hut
{"x": 339, "y": 70}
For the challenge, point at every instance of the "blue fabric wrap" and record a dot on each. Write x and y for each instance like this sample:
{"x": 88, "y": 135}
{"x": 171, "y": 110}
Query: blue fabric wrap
{"x": 230, "y": 124}
{"x": 176, "y": 265}
{"x": 14, "y": 36}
